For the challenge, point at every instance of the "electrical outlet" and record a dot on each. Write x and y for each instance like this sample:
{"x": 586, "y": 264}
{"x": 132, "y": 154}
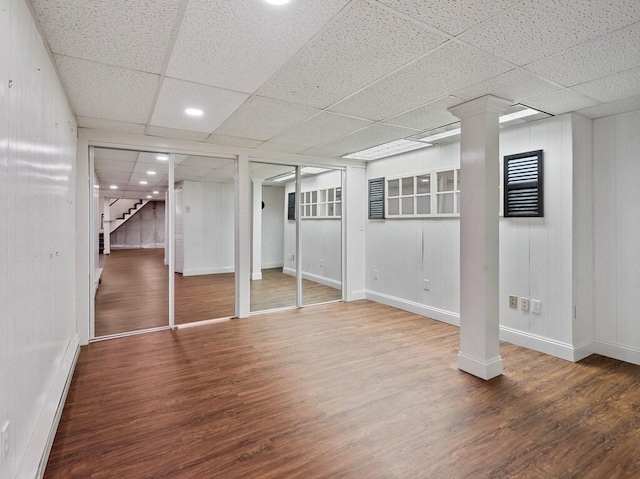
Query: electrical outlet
{"x": 513, "y": 301}
{"x": 524, "y": 304}
{"x": 536, "y": 306}
{"x": 426, "y": 285}
{"x": 292, "y": 257}
{"x": 375, "y": 274}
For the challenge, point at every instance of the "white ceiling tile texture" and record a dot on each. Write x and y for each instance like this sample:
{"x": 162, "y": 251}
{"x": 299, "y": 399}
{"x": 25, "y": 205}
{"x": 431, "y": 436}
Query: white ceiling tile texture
{"x": 451, "y": 67}
{"x": 612, "y": 88}
{"x": 233, "y": 141}
{"x": 176, "y": 95}
{"x": 239, "y": 44}
{"x": 426, "y": 117}
{"x": 561, "y": 101}
{"x": 99, "y": 124}
{"x": 371, "y": 136}
{"x": 533, "y": 29}
{"x": 262, "y": 118}
{"x": 107, "y": 92}
{"x": 321, "y": 129}
{"x": 604, "y": 56}
{"x": 180, "y": 134}
{"x": 613, "y": 108}
{"x": 450, "y": 16}
{"x": 364, "y": 44}
{"x": 125, "y": 33}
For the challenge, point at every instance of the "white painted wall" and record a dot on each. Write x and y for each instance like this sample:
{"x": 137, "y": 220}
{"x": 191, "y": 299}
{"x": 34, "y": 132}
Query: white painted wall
{"x": 145, "y": 229}
{"x": 273, "y": 227}
{"x": 617, "y": 236}
{"x": 38, "y": 339}
{"x": 207, "y": 219}
{"x": 536, "y": 254}
{"x": 321, "y": 239}
{"x": 355, "y": 207}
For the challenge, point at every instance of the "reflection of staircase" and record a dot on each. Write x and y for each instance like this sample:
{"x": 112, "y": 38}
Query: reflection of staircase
{"x": 126, "y": 215}
{"x": 101, "y": 243}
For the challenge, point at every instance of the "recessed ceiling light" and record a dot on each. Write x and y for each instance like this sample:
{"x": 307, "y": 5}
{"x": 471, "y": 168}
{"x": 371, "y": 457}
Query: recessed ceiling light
{"x": 114, "y": 187}
{"x": 149, "y": 196}
{"x": 151, "y": 172}
{"x": 277, "y": 2}
{"x": 194, "y": 112}
{"x": 143, "y": 182}
{"x": 518, "y": 115}
{"x": 156, "y": 192}
{"x": 162, "y": 157}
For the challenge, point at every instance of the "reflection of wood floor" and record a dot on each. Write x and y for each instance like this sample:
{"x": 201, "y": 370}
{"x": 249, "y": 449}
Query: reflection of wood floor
{"x": 133, "y": 294}
{"x": 349, "y": 390}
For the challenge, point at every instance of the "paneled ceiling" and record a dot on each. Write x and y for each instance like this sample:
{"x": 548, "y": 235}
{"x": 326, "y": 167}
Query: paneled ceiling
{"x": 330, "y": 77}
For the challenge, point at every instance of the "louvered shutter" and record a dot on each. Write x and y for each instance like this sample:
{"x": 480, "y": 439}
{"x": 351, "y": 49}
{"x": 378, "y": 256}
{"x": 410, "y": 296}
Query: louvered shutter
{"x": 523, "y": 185}
{"x": 376, "y": 199}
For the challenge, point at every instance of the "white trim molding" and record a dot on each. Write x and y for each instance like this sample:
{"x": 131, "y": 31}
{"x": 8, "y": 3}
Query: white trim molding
{"x": 332, "y": 283}
{"x": 484, "y": 369}
{"x": 413, "y": 307}
{"x": 621, "y": 352}
{"x": 201, "y": 271}
{"x": 541, "y": 344}
{"x": 36, "y": 456}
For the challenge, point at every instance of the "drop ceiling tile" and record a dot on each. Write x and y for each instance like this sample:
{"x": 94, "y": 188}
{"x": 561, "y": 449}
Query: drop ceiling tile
{"x": 561, "y": 101}
{"x": 111, "y": 177}
{"x": 364, "y": 44}
{"x": 98, "y": 124}
{"x": 262, "y": 118}
{"x": 180, "y": 134}
{"x": 281, "y": 147}
{"x": 427, "y": 116}
{"x": 152, "y": 159}
{"x": 107, "y": 92}
{"x": 449, "y": 68}
{"x": 142, "y": 169}
{"x": 613, "y": 53}
{"x": 176, "y": 95}
{"x": 450, "y": 16}
{"x": 320, "y": 129}
{"x": 615, "y": 87}
{"x": 613, "y": 108}
{"x": 515, "y": 85}
{"x": 239, "y": 44}
{"x": 111, "y": 165}
{"x": 206, "y": 162}
{"x": 115, "y": 155}
{"x": 123, "y": 33}
{"x": 233, "y": 141}
{"x": 534, "y": 29}
{"x": 372, "y": 136}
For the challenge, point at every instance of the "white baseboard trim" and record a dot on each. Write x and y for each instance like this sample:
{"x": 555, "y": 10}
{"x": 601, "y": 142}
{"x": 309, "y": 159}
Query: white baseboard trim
{"x": 332, "y": 283}
{"x": 36, "y": 456}
{"x": 541, "y": 344}
{"x": 201, "y": 271}
{"x": 482, "y": 368}
{"x": 628, "y": 354}
{"x": 138, "y": 246}
{"x": 256, "y": 276}
{"x": 272, "y": 265}
{"x": 413, "y": 307}
{"x": 357, "y": 295}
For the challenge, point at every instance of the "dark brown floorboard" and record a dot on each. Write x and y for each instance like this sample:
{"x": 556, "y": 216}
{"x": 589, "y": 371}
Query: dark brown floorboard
{"x": 133, "y": 294}
{"x": 343, "y": 390}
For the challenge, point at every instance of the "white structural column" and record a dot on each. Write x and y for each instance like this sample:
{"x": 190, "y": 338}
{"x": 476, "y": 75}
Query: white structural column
{"x": 479, "y": 236}
{"x": 243, "y": 237}
{"x": 256, "y": 256}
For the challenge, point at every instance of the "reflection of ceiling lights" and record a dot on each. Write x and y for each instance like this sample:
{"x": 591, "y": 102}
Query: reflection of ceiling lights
{"x": 519, "y": 115}
{"x": 194, "y": 112}
{"x": 278, "y": 2}
{"x": 388, "y": 149}
{"x": 114, "y": 187}
{"x": 284, "y": 178}
{"x": 162, "y": 157}
{"x": 441, "y": 136}
{"x": 143, "y": 182}
{"x": 151, "y": 173}
{"x": 156, "y": 192}
{"x": 312, "y": 170}
{"x": 149, "y": 196}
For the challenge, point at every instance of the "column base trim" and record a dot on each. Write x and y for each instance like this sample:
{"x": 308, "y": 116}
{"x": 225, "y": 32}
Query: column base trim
{"x": 484, "y": 369}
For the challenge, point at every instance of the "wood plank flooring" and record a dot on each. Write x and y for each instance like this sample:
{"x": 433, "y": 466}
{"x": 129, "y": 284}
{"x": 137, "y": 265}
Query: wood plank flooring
{"x": 133, "y": 294}
{"x": 343, "y": 390}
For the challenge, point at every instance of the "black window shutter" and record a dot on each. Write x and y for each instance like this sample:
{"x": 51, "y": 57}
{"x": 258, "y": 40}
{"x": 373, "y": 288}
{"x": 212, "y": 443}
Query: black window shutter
{"x": 291, "y": 207}
{"x": 523, "y": 185}
{"x": 376, "y": 199}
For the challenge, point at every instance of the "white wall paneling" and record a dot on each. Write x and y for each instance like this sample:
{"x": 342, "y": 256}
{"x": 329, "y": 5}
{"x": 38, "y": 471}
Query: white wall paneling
{"x": 243, "y": 210}
{"x": 256, "y": 251}
{"x": 38, "y": 338}
{"x": 273, "y": 227}
{"x": 616, "y": 237}
{"x": 536, "y": 254}
{"x": 145, "y": 229}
